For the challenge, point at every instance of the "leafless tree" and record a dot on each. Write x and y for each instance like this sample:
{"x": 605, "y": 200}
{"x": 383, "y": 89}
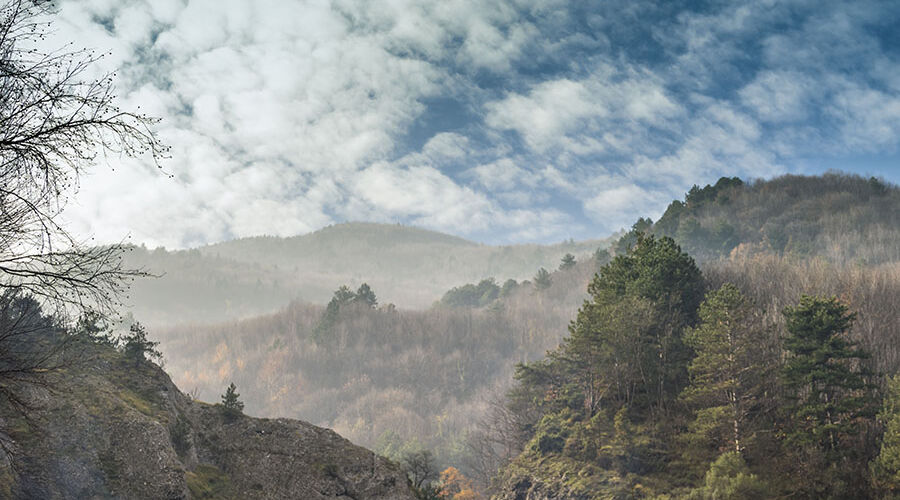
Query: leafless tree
{"x": 55, "y": 123}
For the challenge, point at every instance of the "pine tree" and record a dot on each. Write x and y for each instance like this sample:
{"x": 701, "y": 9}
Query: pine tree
{"x": 231, "y": 405}
{"x": 824, "y": 375}
{"x": 885, "y": 469}
{"x": 728, "y": 373}
{"x": 365, "y": 295}
{"x": 542, "y": 280}
{"x": 568, "y": 262}
{"x": 137, "y": 347}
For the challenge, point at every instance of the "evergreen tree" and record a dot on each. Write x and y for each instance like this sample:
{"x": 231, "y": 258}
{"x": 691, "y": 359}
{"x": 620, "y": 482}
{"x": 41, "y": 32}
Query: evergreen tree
{"x": 231, "y": 405}
{"x": 728, "y": 372}
{"x": 609, "y": 347}
{"x": 729, "y": 478}
{"x": 542, "y": 280}
{"x": 568, "y": 262}
{"x": 824, "y": 375}
{"x": 344, "y": 295}
{"x": 137, "y": 347}
{"x": 364, "y": 295}
{"x": 508, "y": 287}
{"x": 885, "y": 468}
{"x": 93, "y": 327}
{"x": 658, "y": 271}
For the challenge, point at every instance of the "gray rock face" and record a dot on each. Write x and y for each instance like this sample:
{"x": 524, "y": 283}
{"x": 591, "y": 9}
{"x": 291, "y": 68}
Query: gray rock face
{"x": 115, "y": 429}
{"x": 524, "y": 488}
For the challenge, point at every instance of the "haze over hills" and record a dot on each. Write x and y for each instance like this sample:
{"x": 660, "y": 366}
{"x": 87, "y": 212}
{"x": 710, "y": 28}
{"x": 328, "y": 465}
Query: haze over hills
{"x": 409, "y": 267}
{"x": 398, "y": 379}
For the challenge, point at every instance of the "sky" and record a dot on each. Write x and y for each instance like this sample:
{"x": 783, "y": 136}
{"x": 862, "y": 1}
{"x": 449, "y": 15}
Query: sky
{"x": 501, "y": 121}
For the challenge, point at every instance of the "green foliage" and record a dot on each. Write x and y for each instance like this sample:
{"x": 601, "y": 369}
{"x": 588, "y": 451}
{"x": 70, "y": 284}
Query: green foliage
{"x": 628, "y": 240}
{"x": 841, "y": 217}
{"x": 232, "y": 406}
{"x": 180, "y": 434}
{"x": 365, "y": 296}
{"x": 729, "y": 478}
{"x": 550, "y": 436}
{"x": 885, "y": 469}
{"x": 601, "y": 258}
{"x": 509, "y": 286}
{"x": 480, "y": 295}
{"x": 655, "y": 269}
{"x": 567, "y": 262}
{"x": 208, "y": 482}
{"x": 542, "y": 280}
{"x": 824, "y": 375}
{"x": 137, "y": 347}
{"x": 728, "y": 372}
{"x": 343, "y": 297}
{"x": 93, "y": 326}
{"x": 610, "y": 351}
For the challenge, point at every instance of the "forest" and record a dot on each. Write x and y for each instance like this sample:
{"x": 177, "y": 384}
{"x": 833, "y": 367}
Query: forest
{"x": 489, "y": 372}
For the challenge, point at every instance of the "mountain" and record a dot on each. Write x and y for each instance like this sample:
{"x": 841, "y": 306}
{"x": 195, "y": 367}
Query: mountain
{"x": 107, "y": 427}
{"x": 409, "y": 267}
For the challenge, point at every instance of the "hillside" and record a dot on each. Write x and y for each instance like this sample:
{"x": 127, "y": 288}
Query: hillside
{"x": 838, "y": 217}
{"x": 397, "y": 379}
{"x": 110, "y": 428}
{"x": 379, "y": 376}
{"x": 409, "y": 267}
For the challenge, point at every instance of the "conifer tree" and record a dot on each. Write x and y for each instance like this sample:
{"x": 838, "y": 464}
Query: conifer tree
{"x": 231, "y": 405}
{"x": 728, "y": 372}
{"x": 885, "y": 468}
{"x": 365, "y": 295}
{"x": 568, "y": 262}
{"x": 137, "y": 347}
{"x": 825, "y": 375}
{"x": 542, "y": 280}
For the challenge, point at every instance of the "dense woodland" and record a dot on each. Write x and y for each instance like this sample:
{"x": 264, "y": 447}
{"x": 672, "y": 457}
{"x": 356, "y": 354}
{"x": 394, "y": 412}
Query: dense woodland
{"x": 404, "y": 381}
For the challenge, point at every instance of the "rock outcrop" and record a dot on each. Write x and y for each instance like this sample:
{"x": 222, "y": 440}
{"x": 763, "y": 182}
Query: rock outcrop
{"x": 112, "y": 428}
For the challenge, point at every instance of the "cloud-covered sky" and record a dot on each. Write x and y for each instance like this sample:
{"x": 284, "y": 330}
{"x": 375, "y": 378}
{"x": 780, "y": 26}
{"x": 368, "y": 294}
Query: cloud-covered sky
{"x": 497, "y": 120}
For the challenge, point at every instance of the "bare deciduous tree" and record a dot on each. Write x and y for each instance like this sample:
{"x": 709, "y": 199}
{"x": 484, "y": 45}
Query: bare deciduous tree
{"x": 55, "y": 122}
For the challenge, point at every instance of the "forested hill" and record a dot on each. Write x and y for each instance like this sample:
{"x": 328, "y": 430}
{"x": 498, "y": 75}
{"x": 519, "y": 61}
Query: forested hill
{"x": 398, "y": 380}
{"x": 410, "y": 267}
{"x": 839, "y": 217}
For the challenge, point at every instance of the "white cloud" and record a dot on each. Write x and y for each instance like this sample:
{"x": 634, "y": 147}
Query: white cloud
{"x": 778, "y": 96}
{"x": 288, "y": 115}
{"x": 584, "y": 116}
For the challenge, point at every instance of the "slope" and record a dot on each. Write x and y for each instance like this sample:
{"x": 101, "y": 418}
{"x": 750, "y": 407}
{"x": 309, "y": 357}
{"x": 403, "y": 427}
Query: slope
{"x": 108, "y": 427}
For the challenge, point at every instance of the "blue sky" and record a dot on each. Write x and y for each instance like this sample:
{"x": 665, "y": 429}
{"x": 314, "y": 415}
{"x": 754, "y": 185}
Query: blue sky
{"x": 497, "y": 120}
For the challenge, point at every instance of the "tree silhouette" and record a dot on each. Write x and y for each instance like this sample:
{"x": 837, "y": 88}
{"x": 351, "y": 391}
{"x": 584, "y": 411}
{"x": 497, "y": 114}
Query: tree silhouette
{"x": 231, "y": 405}
{"x": 55, "y": 123}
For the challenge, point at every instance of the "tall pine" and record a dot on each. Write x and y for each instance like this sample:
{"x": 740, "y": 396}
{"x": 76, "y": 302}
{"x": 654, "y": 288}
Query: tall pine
{"x": 824, "y": 374}
{"x": 729, "y": 373}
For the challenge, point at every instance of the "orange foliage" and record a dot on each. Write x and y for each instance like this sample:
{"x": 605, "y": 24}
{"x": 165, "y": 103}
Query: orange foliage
{"x": 457, "y": 486}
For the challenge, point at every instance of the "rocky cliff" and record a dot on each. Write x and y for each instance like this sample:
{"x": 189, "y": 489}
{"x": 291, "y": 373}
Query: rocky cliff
{"x": 108, "y": 427}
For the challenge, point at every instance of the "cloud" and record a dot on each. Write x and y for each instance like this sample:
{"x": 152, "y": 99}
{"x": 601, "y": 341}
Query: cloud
{"x": 562, "y": 118}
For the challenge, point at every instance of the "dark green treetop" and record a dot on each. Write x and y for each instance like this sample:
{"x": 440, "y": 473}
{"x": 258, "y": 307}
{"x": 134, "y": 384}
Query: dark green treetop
{"x": 231, "y": 404}
{"x": 827, "y": 381}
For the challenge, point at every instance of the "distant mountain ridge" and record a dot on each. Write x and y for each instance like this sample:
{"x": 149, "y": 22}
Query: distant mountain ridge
{"x": 407, "y": 266}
